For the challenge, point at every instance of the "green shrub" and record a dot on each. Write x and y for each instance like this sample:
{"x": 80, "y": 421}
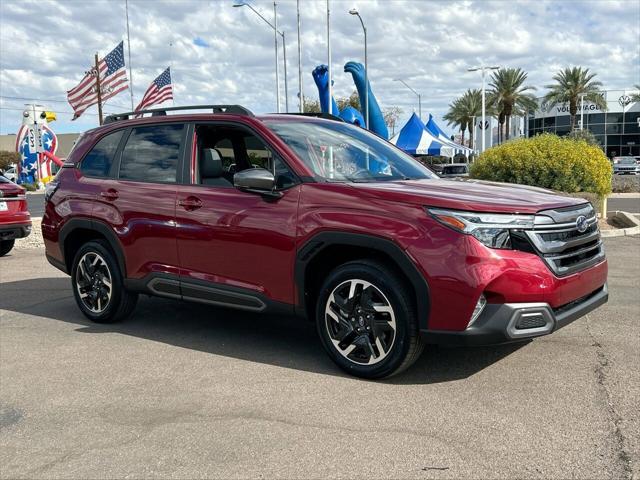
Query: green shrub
{"x": 29, "y": 187}
{"x": 547, "y": 161}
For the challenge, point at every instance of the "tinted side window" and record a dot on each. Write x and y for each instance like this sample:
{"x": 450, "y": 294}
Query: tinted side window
{"x": 97, "y": 162}
{"x": 151, "y": 154}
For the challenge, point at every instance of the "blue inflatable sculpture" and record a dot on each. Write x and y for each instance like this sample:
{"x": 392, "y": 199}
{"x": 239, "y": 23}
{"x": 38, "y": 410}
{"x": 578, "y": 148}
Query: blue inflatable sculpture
{"x": 350, "y": 114}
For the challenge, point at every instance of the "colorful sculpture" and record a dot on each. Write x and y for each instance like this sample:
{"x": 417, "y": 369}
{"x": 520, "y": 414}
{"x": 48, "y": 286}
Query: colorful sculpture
{"x": 36, "y": 117}
{"x": 350, "y": 114}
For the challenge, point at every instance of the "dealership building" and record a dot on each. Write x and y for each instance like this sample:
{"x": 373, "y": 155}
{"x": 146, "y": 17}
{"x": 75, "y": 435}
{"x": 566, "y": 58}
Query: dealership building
{"x": 617, "y": 129}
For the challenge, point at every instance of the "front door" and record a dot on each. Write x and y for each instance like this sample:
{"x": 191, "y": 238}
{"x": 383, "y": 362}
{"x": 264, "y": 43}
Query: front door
{"x": 236, "y": 248}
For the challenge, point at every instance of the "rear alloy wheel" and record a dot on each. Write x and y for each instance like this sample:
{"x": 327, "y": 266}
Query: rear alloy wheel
{"x": 94, "y": 282}
{"x": 366, "y": 320}
{"x": 98, "y": 286}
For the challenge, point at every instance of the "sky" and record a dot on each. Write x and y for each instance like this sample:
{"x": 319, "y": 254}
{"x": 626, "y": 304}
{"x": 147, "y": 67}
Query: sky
{"x": 220, "y": 54}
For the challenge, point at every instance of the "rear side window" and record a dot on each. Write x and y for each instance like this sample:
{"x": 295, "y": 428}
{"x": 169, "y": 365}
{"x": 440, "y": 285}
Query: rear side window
{"x": 151, "y": 154}
{"x": 97, "y": 163}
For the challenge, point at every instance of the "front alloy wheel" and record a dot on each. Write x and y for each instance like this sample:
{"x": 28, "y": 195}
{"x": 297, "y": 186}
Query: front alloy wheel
{"x": 360, "y": 322}
{"x": 366, "y": 319}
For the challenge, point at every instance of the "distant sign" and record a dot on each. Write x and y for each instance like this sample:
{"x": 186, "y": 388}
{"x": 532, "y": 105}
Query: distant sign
{"x": 35, "y": 139}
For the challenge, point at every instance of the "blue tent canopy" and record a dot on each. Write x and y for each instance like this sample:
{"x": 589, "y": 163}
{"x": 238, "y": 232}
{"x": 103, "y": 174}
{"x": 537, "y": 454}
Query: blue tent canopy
{"x": 437, "y": 132}
{"x": 415, "y": 138}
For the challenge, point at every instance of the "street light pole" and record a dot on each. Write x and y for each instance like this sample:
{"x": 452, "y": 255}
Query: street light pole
{"x": 284, "y": 51}
{"x": 483, "y": 69}
{"x": 275, "y": 40}
{"x": 355, "y": 12}
{"x": 329, "y": 58}
{"x": 301, "y": 94}
{"x": 419, "y": 95}
{"x": 582, "y": 112}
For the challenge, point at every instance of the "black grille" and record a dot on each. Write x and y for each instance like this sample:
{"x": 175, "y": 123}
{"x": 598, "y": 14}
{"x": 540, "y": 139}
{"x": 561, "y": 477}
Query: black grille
{"x": 535, "y": 321}
{"x": 564, "y": 248}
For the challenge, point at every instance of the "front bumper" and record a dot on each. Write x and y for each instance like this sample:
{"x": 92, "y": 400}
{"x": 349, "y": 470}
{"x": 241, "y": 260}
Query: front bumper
{"x": 503, "y": 323}
{"x": 10, "y": 232}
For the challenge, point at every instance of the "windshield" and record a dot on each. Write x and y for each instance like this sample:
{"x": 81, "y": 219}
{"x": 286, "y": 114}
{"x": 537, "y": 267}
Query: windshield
{"x": 341, "y": 152}
{"x": 627, "y": 161}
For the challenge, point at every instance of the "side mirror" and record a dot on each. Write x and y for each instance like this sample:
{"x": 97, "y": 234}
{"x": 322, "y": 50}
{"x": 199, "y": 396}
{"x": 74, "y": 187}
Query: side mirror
{"x": 256, "y": 180}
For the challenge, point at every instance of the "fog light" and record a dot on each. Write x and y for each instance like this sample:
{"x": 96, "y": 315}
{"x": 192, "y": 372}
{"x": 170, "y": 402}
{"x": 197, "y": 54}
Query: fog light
{"x": 482, "y": 301}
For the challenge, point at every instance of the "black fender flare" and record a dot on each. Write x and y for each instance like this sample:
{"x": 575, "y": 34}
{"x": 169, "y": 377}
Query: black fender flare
{"x": 98, "y": 226}
{"x": 320, "y": 241}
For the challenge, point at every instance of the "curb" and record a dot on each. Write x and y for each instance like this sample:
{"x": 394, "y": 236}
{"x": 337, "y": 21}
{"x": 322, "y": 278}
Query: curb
{"x": 626, "y": 218}
{"x": 624, "y": 195}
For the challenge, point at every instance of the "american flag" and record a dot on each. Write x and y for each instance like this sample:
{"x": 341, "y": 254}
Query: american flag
{"x": 113, "y": 80}
{"x": 159, "y": 91}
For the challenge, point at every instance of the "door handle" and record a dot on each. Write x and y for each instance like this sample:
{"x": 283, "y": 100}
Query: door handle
{"x": 110, "y": 194}
{"x": 190, "y": 203}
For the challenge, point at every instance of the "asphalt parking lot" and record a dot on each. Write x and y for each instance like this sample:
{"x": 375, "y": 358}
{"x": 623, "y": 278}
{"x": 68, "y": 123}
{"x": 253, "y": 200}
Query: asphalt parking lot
{"x": 189, "y": 391}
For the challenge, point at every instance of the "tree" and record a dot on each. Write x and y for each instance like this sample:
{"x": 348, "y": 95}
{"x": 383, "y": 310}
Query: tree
{"x": 351, "y": 101}
{"x": 391, "y": 115}
{"x": 311, "y": 106}
{"x": 585, "y": 135}
{"x": 635, "y": 97}
{"x": 462, "y": 111}
{"x": 570, "y": 85}
{"x": 8, "y": 159}
{"x": 509, "y": 93}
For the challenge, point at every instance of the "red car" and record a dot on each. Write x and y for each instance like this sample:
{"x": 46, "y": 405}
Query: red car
{"x": 321, "y": 219}
{"x": 15, "y": 221}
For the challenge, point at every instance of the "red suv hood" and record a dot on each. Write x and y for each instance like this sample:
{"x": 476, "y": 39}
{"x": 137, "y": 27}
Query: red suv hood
{"x": 474, "y": 195}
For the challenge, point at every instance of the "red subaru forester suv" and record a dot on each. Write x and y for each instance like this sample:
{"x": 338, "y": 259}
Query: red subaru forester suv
{"x": 321, "y": 219}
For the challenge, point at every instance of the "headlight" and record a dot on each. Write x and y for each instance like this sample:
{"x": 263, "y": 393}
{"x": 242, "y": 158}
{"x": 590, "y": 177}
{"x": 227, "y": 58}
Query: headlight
{"x": 491, "y": 229}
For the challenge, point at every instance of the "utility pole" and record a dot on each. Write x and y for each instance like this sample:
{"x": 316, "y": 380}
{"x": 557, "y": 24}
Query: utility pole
{"x": 98, "y": 90}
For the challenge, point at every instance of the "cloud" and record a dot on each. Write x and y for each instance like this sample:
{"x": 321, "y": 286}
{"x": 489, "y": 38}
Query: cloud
{"x": 221, "y": 54}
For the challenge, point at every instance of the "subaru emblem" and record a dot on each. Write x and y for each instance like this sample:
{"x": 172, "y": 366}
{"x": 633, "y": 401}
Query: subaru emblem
{"x": 582, "y": 224}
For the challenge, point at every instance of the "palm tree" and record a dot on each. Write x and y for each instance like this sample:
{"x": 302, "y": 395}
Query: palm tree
{"x": 463, "y": 110}
{"x": 510, "y": 95}
{"x": 571, "y": 84}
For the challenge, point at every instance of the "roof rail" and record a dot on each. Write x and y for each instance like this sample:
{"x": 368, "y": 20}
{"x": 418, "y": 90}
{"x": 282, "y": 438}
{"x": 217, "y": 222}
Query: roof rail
{"x": 155, "y": 112}
{"x": 324, "y": 115}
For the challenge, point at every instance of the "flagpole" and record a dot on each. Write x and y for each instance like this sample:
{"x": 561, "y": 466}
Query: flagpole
{"x": 173, "y": 90}
{"x": 98, "y": 90}
{"x": 126, "y": 9}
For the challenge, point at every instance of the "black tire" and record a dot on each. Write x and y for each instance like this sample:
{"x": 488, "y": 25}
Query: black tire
{"x": 404, "y": 345}
{"x": 120, "y": 303}
{"x": 6, "y": 246}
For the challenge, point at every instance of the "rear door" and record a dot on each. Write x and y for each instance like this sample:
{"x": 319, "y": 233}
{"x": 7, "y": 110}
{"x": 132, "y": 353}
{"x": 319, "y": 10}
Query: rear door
{"x": 236, "y": 246}
{"x": 139, "y": 202}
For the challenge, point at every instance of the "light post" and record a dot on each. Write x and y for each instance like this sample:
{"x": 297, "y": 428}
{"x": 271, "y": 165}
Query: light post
{"x": 301, "y": 94}
{"x": 582, "y": 112}
{"x": 419, "y": 95}
{"x": 276, "y": 32}
{"x": 355, "y": 12}
{"x": 483, "y": 69}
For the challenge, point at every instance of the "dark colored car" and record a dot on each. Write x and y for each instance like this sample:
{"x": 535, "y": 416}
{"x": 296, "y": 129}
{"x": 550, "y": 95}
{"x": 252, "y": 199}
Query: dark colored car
{"x": 15, "y": 221}
{"x": 321, "y": 219}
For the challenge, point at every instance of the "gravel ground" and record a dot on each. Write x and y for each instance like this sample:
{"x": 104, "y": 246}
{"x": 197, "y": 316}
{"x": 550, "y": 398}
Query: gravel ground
{"x": 32, "y": 241}
{"x": 625, "y": 183}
